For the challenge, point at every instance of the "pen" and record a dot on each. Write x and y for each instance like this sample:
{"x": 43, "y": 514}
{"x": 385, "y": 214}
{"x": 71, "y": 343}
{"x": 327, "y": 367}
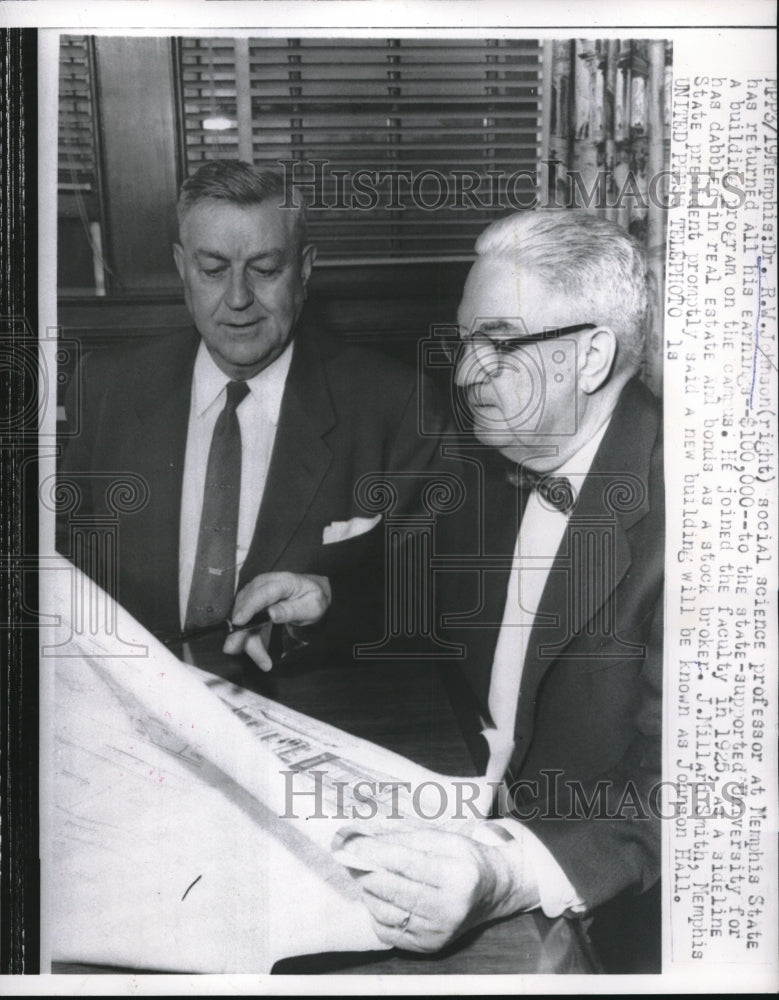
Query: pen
{"x": 226, "y": 625}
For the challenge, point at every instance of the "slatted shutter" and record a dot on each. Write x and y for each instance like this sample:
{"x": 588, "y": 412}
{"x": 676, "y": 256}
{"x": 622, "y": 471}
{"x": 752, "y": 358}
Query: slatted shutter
{"x": 77, "y": 157}
{"x": 405, "y": 147}
{"x": 79, "y": 209}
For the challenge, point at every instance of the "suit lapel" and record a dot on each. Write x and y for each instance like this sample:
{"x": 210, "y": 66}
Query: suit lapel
{"x": 155, "y": 448}
{"x": 497, "y": 524}
{"x": 299, "y": 461}
{"x": 594, "y": 555}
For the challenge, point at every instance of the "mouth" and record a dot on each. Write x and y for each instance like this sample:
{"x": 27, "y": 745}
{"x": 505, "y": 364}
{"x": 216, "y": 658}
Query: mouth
{"x": 242, "y": 326}
{"x": 477, "y": 402}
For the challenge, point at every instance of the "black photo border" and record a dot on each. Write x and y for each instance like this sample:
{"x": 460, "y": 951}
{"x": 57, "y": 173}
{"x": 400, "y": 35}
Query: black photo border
{"x": 19, "y": 773}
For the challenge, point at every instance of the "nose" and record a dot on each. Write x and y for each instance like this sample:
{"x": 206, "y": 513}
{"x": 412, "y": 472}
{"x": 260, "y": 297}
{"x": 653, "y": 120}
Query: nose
{"x": 470, "y": 368}
{"x": 238, "y": 295}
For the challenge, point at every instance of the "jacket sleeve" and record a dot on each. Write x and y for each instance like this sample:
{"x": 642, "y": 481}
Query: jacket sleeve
{"x": 74, "y": 480}
{"x": 607, "y": 836}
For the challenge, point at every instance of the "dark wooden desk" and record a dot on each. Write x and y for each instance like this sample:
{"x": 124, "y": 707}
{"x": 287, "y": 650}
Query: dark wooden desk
{"x": 402, "y": 706}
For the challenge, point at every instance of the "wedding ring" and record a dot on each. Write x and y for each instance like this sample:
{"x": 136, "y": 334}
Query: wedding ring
{"x": 404, "y": 922}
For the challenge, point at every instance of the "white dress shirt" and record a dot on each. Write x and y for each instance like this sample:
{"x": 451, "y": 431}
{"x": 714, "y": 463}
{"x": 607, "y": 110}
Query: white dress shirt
{"x": 540, "y": 534}
{"x": 258, "y": 417}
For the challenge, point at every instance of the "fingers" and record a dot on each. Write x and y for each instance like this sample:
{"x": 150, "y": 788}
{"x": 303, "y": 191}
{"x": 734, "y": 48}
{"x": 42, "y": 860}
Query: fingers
{"x": 408, "y": 926}
{"x": 378, "y": 825}
{"x": 394, "y": 890}
{"x": 411, "y": 832}
{"x": 235, "y": 643}
{"x": 347, "y": 837}
{"x": 291, "y": 598}
{"x": 444, "y": 882}
{"x": 262, "y": 592}
{"x": 403, "y": 938}
{"x": 257, "y": 651}
{"x": 380, "y": 853}
{"x": 403, "y": 926}
{"x": 250, "y": 643}
{"x": 387, "y": 914}
{"x": 444, "y": 908}
{"x": 302, "y": 608}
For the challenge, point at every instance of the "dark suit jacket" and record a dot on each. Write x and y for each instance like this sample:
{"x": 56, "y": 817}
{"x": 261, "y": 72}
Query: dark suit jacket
{"x": 346, "y": 412}
{"x": 590, "y": 699}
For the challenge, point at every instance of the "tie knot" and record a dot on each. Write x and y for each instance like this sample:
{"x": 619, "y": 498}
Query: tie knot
{"x": 236, "y": 392}
{"x": 556, "y": 491}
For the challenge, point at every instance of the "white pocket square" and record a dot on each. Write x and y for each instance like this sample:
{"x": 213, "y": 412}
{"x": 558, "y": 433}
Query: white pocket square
{"x": 340, "y": 531}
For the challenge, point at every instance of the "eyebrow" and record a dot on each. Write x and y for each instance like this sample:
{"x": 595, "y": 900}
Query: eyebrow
{"x": 276, "y": 255}
{"x": 498, "y": 326}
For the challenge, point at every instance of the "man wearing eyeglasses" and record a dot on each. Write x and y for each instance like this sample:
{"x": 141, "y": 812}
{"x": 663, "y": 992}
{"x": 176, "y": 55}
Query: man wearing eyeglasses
{"x": 561, "y": 623}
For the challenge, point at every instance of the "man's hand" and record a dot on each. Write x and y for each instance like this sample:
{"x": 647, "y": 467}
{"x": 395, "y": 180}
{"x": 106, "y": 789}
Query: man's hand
{"x": 291, "y": 599}
{"x": 429, "y": 886}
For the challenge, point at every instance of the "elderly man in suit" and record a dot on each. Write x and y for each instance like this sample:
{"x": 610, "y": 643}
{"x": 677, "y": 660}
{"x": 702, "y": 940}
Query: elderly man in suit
{"x": 246, "y": 437}
{"x": 561, "y": 620}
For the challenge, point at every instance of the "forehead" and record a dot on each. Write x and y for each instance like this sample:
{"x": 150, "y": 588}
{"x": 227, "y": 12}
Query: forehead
{"x": 496, "y": 288}
{"x": 237, "y": 230}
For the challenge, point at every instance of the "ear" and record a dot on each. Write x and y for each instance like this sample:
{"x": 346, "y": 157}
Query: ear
{"x": 307, "y": 262}
{"x": 178, "y": 256}
{"x": 598, "y": 352}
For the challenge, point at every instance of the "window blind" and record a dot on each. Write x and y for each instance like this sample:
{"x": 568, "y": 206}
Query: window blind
{"x": 402, "y": 148}
{"x": 77, "y": 155}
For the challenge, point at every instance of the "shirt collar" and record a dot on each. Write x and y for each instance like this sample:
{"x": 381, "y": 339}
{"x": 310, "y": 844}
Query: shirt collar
{"x": 266, "y": 387}
{"x": 578, "y": 465}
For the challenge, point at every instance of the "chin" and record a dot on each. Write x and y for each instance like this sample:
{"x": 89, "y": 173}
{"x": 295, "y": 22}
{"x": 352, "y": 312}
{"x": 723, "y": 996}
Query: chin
{"x": 496, "y": 437}
{"x": 253, "y": 350}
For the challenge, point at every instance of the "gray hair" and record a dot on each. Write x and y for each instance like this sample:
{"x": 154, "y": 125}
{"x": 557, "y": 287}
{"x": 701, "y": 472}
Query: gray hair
{"x": 588, "y": 260}
{"x": 239, "y": 183}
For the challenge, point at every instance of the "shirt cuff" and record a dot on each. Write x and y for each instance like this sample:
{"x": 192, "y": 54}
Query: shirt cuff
{"x": 556, "y": 894}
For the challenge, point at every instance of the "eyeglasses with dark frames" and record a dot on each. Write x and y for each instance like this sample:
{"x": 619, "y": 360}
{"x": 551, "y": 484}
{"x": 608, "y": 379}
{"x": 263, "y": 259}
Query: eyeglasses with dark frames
{"x": 512, "y": 343}
{"x": 499, "y": 349}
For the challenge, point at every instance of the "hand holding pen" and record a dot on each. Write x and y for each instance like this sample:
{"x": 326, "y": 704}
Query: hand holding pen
{"x": 291, "y": 599}
{"x": 226, "y": 627}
